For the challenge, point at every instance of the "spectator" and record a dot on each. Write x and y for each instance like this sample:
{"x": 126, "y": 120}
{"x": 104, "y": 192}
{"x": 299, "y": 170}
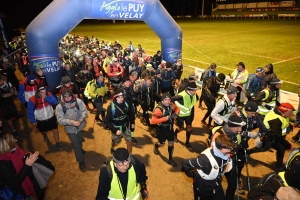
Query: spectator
{"x": 239, "y": 78}
{"x": 70, "y": 72}
{"x": 115, "y": 73}
{"x": 65, "y": 83}
{"x": 16, "y": 169}
{"x": 167, "y": 78}
{"x": 178, "y": 70}
{"x": 83, "y": 77}
{"x": 269, "y": 74}
{"x": 8, "y": 108}
{"x": 40, "y": 77}
{"x": 254, "y": 83}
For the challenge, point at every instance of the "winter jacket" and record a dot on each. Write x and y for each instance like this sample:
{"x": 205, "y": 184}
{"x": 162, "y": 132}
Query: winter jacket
{"x": 41, "y": 109}
{"x": 26, "y": 90}
{"x": 72, "y": 114}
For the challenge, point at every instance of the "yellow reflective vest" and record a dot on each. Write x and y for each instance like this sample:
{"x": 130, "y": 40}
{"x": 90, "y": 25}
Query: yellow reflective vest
{"x": 133, "y": 188}
{"x": 285, "y": 121}
{"x": 263, "y": 110}
{"x": 186, "y": 108}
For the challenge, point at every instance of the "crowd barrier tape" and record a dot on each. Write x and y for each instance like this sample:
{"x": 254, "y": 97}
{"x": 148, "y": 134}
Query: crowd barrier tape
{"x": 284, "y": 96}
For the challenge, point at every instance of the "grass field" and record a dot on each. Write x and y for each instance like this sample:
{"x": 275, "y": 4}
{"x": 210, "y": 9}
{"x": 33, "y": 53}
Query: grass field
{"x": 225, "y": 42}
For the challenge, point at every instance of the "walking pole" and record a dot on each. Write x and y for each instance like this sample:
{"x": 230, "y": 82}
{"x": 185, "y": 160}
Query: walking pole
{"x": 237, "y": 176}
{"x": 245, "y": 150}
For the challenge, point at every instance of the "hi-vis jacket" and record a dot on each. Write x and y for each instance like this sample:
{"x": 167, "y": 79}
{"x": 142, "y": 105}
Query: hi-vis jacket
{"x": 188, "y": 104}
{"x": 285, "y": 121}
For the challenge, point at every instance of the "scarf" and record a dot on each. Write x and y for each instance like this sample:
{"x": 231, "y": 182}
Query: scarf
{"x": 17, "y": 159}
{"x": 218, "y": 153}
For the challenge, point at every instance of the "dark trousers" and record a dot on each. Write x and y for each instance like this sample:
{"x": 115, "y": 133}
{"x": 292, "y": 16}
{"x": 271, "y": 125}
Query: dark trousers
{"x": 219, "y": 195}
{"x": 231, "y": 178}
{"x": 76, "y": 140}
{"x": 210, "y": 107}
{"x": 169, "y": 89}
{"x": 238, "y": 96}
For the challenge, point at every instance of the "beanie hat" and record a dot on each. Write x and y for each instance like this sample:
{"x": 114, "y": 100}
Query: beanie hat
{"x": 221, "y": 77}
{"x": 251, "y": 106}
{"x": 118, "y": 93}
{"x": 192, "y": 86}
{"x": 67, "y": 92}
{"x": 285, "y": 107}
{"x": 235, "y": 121}
{"x": 275, "y": 81}
{"x": 120, "y": 155}
{"x": 41, "y": 87}
{"x": 168, "y": 65}
{"x": 165, "y": 95}
{"x": 231, "y": 90}
{"x": 259, "y": 69}
{"x": 31, "y": 77}
{"x": 65, "y": 80}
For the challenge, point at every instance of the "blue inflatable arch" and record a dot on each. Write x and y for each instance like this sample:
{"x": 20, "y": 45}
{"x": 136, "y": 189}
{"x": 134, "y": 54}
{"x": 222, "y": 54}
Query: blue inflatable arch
{"x": 61, "y": 16}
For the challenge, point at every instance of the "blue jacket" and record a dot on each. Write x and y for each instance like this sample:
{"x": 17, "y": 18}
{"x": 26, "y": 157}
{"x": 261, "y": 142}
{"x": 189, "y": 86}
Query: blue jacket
{"x": 167, "y": 77}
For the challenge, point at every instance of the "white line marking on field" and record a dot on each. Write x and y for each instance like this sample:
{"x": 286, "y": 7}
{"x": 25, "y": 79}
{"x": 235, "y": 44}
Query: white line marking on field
{"x": 249, "y": 54}
{"x": 151, "y": 40}
{"x": 286, "y": 60}
{"x": 242, "y": 31}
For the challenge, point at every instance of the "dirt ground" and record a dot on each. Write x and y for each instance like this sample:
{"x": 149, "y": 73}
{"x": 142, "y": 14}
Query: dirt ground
{"x": 164, "y": 182}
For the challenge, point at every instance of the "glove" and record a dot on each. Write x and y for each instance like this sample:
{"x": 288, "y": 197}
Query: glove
{"x": 144, "y": 191}
{"x": 252, "y": 135}
{"x": 25, "y": 104}
{"x": 257, "y": 141}
{"x": 268, "y": 107}
{"x": 174, "y": 115}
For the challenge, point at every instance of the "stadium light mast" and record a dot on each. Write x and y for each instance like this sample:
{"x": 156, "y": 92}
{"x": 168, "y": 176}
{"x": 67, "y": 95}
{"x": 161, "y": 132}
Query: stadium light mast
{"x": 202, "y": 7}
{"x": 196, "y": 9}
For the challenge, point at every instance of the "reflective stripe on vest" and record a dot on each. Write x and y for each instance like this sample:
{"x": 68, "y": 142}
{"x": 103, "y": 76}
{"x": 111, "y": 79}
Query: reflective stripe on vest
{"x": 186, "y": 108}
{"x": 133, "y": 189}
{"x": 263, "y": 110}
{"x": 281, "y": 175}
{"x": 215, "y": 167}
{"x": 284, "y": 121}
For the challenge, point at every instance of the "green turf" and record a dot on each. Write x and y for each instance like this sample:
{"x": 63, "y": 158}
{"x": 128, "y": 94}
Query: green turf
{"x": 225, "y": 42}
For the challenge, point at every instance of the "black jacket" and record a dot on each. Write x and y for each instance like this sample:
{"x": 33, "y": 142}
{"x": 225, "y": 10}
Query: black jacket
{"x": 205, "y": 187}
{"x": 104, "y": 180}
{"x": 121, "y": 111}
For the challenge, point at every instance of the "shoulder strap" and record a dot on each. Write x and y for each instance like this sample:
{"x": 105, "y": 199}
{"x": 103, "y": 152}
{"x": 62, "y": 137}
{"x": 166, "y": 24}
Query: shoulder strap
{"x": 113, "y": 109}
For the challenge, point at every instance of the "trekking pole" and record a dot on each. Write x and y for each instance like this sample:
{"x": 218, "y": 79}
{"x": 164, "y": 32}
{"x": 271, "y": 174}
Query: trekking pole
{"x": 237, "y": 176}
{"x": 245, "y": 150}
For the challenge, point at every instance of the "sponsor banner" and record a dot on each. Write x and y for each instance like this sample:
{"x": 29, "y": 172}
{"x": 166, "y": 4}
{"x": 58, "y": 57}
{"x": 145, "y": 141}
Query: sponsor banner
{"x": 5, "y": 42}
{"x": 51, "y": 65}
{"x": 172, "y": 55}
{"x": 119, "y": 9}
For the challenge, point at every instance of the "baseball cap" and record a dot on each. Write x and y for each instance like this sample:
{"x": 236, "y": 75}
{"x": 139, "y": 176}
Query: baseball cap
{"x": 31, "y": 77}
{"x": 231, "y": 90}
{"x": 283, "y": 107}
{"x": 275, "y": 81}
{"x": 67, "y": 92}
{"x": 251, "y": 106}
{"x": 259, "y": 69}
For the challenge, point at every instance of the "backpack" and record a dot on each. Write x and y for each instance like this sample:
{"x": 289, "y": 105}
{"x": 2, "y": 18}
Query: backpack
{"x": 65, "y": 108}
{"x": 113, "y": 108}
{"x": 106, "y": 165}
